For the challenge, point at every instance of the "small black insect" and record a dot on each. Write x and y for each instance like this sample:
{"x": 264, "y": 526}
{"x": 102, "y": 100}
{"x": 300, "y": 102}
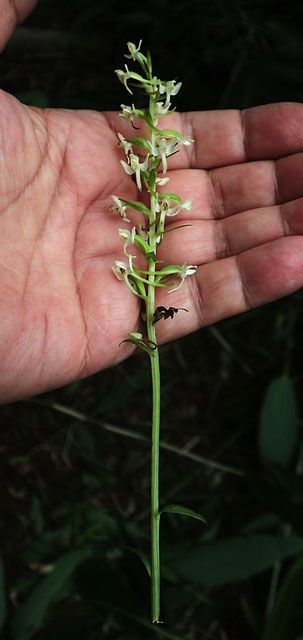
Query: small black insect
{"x": 162, "y": 312}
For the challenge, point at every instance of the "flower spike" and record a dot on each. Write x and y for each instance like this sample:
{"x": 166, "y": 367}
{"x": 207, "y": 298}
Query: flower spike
{"x": 155, "y": 147}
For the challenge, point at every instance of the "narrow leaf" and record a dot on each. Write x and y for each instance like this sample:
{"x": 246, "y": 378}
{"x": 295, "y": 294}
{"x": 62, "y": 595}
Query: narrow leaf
{"x": 286, "y": 605}
{"x": 31, "y": 614}
{"x": 161, "y": 233}
{"x": 138, "y": 286}
{"x": 278, "y": 422}
{"x": 2, "y": 597}
{"x": 142, "y": 245}
{"x": 140, "y": 344}
{"x": 170, "y": 132}
{"x": 137, "y": 206}
{"x": 140, "y": 142}
{"x": 228, "y": 561}
{"x": 151, "y": 256}
{"x": 136, "y": 76}
{"x": 172, "y": 196}
{"x": 142, "y": 557}
{"x": 184, "y": 511}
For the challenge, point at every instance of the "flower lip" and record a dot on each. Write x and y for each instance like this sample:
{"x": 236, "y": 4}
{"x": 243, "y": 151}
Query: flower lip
{"x": 185, "y": 270}
{"x": 124, "y": 144}
{"x": 135, "y": 167}
{"x": 119, "y": 207}
{"x": 133, "y": 50}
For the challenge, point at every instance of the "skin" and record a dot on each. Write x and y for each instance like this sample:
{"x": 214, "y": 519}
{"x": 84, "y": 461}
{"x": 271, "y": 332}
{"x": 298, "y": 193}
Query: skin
{"x": 62, "y": 311}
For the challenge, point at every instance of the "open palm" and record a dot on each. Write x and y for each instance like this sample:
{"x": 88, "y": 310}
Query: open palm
{"x": 63, "y": 313}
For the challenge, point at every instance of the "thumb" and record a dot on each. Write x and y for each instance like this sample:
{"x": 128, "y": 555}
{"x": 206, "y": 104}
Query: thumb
{"x": 12, "y": 12}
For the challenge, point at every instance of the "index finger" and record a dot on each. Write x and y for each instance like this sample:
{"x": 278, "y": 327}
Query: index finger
{"x": 231, "y": 136}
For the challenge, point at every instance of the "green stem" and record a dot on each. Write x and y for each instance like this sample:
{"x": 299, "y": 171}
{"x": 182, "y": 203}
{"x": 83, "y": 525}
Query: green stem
{"x": 155, "y": 518}
{"x": 155, "y": 374}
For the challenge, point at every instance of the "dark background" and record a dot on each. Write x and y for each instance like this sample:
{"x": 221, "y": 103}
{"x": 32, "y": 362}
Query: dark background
{"x": 75, "y": 485}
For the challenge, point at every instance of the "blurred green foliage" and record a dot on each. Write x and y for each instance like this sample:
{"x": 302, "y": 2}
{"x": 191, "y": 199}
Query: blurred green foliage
{"x": 75, "y": 462}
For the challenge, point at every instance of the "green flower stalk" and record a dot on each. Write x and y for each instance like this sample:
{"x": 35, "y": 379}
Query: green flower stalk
{"x": 155, "y": 147}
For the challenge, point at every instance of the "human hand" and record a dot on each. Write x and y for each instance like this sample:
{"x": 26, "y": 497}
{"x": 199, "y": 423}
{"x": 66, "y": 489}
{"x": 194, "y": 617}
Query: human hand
{"x": 63, "y": 313}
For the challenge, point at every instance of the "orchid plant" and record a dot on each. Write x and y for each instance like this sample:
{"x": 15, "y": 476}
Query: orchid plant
{"x": 145, "y": 156}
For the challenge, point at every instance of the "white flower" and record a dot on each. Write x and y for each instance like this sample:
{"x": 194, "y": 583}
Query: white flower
{"x": 133, "y": 50}
{"x": 187, "y": 204}
{"x": 143, "y": 232}
{"x": 124, "y": 144}
{"x": 124, "y": 76}
{"x": 152, "y": 85}
{"x": 135, "y": 167}
{"x": 120, "y": 270}
{"x": 128, "y": 237}
{"x": 163, "y": 148}
{"x": 170, "y": 87}
{"x": 120, "y": 208}
{"x": 185, "y": 270}
{"x": 162, "y": 181}
{"x": 161, "y": 110}
{"x": 166, "y": 208}
{"x": 186, "y": 140}
{"x": 128, "y": 113}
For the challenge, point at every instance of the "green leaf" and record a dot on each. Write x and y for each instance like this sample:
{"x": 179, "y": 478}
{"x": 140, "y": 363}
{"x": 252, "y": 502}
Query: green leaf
{"x": 2, "y": 597}
{"x": 138, "y": 286}
{"x": 140, "y": 344}
{"x": 31, "y": 614}
{"x": 266, "y": 521}
{"x": 140, "y": 142}
{"x": 172, "y": 196}
{"x": 278, "y": 422}
{"x": 115, "y": 595}
{"x": 149, "y": 121}
{"x": 161, "y": 233}
{"x": 136, "y": 76}
{"x": 170, "y": 132}
{"x": 151, "y": 256}
{"x": 36, "y": 516}
{"x": 184, "y": 511}
{"x": 287, "y": 602}
{"x": 228, "y": 561}
{"x": 142, "y": 245}
{"x": 142, "y": 557}
{"x": 137, "y": 206}
{"x": 251, "y": 616}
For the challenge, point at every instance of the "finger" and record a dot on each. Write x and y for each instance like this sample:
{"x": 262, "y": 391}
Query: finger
{"x": 233, "y": 285}
{"x": 11, "y": 14}
{"x": 256, "y": 184}
{"x": 223, "y": 192}
{"x": 231, "y": 136}
{"x": 207, "y": 240}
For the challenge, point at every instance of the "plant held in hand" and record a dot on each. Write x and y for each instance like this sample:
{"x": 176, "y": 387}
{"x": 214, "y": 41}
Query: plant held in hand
{"x": 155, "y": 147}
